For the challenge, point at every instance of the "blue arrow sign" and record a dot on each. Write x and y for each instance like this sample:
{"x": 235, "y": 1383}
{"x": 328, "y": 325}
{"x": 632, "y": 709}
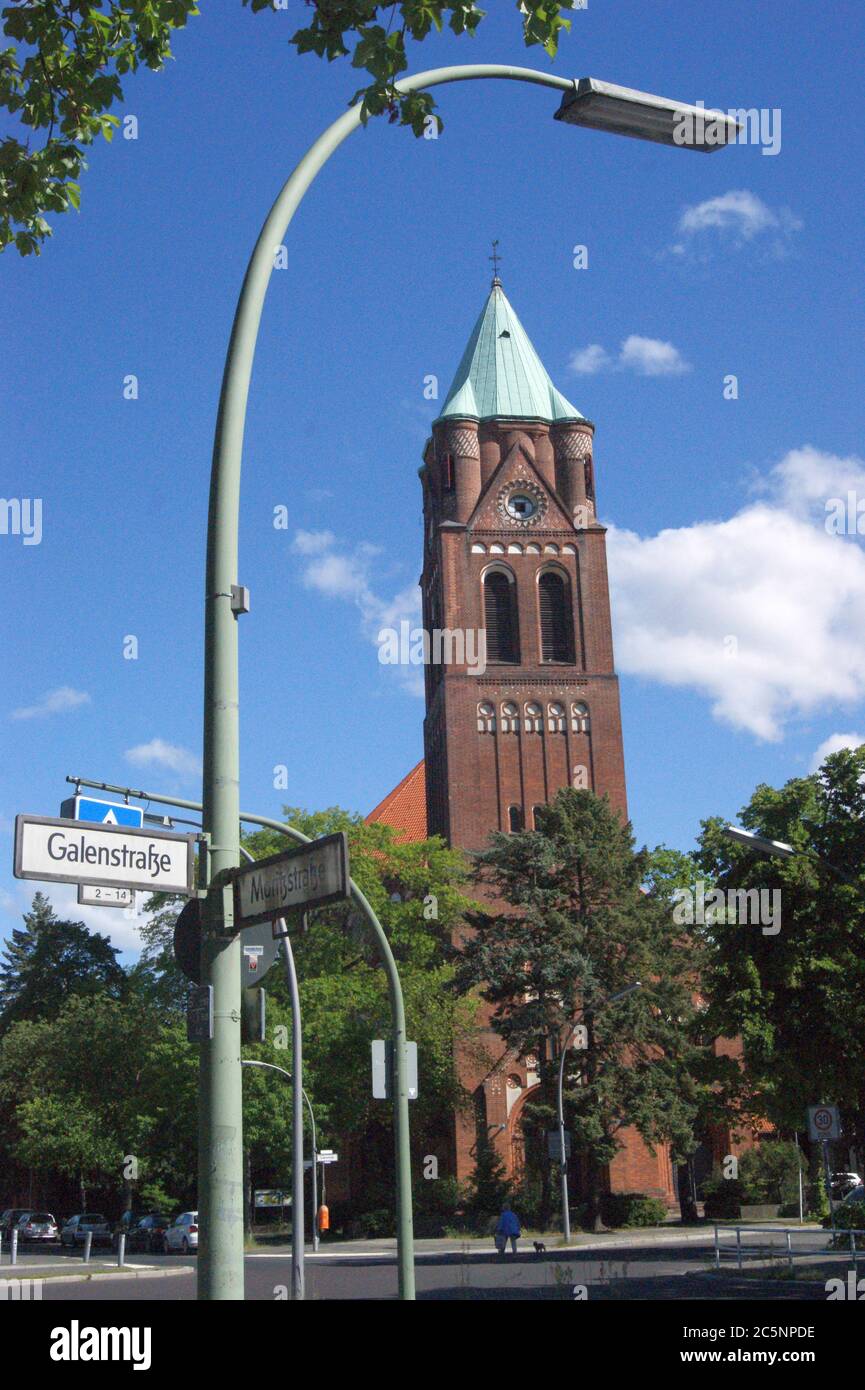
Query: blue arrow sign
{"x": 103, "y": 812}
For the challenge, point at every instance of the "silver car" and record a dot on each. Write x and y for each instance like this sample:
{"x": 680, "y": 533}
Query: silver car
{"x": 37, "y": 1225}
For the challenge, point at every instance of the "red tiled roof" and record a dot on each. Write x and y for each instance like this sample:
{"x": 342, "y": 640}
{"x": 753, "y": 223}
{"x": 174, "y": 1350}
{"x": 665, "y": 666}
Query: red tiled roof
{"x": 405, "y": 807}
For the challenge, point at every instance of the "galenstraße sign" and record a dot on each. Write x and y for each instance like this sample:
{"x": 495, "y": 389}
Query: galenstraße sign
{"x": 309, "y": 875}
{"x": 74, "y": 851}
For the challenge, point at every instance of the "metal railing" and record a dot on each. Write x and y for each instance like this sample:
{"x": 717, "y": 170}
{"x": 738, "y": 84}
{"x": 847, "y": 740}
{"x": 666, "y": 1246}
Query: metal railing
{"x": 767, "y": 1249}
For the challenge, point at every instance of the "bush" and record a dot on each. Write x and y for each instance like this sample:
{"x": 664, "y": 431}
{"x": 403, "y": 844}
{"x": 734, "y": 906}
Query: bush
{"x": 631, "y": 1209}
{"x": 723, "y": 1198}
{"x": 850, "y": 1216}
{"x": 371, "y": 1225}
{"x": 438, "y": 1206}
{"x": 770, "y": 1172}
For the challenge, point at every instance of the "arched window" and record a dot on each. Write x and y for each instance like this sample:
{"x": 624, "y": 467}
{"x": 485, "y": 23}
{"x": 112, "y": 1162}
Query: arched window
{"x": 556, "y": 718}
{"x": 515, "y": 818}
{"x": 580, "y": 723}
{"x": 500, "y": 616}
{"x": 510, "y": 718}
{"x": 535, "y": 810}
{"x": 554, "y": 599}
{"x": 534, "y": 718}
{"x": 486, "y": 717}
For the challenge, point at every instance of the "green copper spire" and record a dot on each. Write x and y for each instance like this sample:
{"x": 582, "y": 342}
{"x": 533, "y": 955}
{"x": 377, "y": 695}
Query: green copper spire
{"x": 501, "y": 375}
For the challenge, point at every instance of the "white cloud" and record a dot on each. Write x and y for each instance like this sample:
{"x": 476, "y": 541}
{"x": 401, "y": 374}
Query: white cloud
{"x": 312, "y": 542}
{"x": 345, "y": 574}
{"x": 763, "y": 613}
{"x": 646, "y": 356}
{"x": 58, "y": 701}
{"x": 113, "y": 922}
{"x": 589, "y": 360}
{"x": 161, "y": 754}
{"x": 652, "y": 357}
{"x": 736, "y": 218}
{"x": 833, "y": 744}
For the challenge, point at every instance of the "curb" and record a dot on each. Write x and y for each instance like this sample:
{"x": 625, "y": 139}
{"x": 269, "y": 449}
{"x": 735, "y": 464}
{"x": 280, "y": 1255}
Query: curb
{"x": 153, "y": 1272}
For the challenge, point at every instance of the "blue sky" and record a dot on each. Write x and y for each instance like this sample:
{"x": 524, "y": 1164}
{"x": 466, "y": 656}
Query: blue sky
{"x": 739, "y": 620}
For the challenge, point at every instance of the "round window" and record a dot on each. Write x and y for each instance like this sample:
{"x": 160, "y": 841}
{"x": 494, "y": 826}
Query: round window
{"x": 521, "y": 507}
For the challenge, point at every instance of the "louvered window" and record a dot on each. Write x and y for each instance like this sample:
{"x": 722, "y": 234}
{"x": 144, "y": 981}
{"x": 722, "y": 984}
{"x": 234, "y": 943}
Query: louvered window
{"x": 556, "y": 621}
{"x": 500, "y": 617}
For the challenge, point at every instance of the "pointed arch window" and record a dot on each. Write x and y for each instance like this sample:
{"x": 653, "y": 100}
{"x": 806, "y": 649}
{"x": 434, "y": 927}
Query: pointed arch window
{"x": 554, "y": 600}
{"x": 515, "y": 819}
{"x": 500, "y": 616}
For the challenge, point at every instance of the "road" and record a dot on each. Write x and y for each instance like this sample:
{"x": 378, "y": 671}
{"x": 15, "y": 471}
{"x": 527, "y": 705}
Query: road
{"x": 630, "y": 1271}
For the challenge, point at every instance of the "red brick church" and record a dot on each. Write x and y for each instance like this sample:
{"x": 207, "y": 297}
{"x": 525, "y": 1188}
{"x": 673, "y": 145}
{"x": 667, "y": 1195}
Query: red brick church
{"x": 513, "y": 545}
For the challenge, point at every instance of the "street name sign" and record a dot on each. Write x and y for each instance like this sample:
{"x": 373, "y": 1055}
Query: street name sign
{"x": 327, "y": 1156}
{"x": 71, "y": 851}
{"x": 824, "y": 1122}
{"x": 104, "y": 812}
{"x": 100, "y": 896}
{"x": 308, "y": 875}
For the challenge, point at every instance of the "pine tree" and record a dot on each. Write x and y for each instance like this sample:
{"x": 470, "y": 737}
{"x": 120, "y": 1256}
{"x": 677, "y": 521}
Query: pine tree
{"x": 578, "y": 927}
{"x": 50, "y": 960}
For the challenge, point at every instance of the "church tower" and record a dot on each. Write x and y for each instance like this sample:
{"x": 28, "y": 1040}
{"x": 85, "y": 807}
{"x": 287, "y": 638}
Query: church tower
{"x": 513, "y": 548}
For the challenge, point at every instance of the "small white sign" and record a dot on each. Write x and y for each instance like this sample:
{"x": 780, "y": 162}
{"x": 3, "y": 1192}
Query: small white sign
{"x": 824, "y": 1122}
{"x": 101, "y": 896}
{"x": 70, "y": 851}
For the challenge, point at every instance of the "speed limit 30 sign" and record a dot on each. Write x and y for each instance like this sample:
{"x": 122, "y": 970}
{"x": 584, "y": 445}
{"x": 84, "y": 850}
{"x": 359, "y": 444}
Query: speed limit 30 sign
{"x": 824, "y": 1122}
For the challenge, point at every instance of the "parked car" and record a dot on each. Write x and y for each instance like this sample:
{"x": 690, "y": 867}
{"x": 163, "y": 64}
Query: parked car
{"x": 142, "y": 1232}
{"x": 857, "y": 1195}
{"x": 76, "y": 1227}
{"x": 843, "y": 1183}
{"x": 11, "y": 1217}
{"x": 37, "y": 1226}
{"x": 182, "y": 1234}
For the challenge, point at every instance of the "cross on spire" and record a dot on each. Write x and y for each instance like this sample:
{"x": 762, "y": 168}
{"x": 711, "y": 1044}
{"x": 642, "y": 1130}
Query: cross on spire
{"x": 495, "y": 258}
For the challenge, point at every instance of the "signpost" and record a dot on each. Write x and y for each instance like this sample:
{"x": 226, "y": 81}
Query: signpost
{"x": 102, "y": 896}
{"x": 257, "y": 946}
{"x": 316, "y": 873}
{"x": 104, "y": 812}
{"x": 824, "y": 1123}
{"x": 70, "y": 851}
{"x": 382, "y": 1069}
{"x": 327, "y": 1156}
{"x": 554, "y": 1145}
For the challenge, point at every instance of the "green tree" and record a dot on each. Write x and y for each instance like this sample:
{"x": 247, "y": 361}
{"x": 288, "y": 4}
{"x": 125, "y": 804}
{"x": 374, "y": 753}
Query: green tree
{"x": 62, "y": 75}
{"x": 578, "y": 927}
{"x": 50, "y": 960}
{"x": 796, "y": 995}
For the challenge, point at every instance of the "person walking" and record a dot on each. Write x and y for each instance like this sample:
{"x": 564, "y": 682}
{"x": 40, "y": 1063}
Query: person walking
{"x": 508, "y": 1229}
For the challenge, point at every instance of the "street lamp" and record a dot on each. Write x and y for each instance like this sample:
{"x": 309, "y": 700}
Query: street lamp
{"x": 563, "y": 1160}
{"x": 778, "y": 849}
{"x": 220, "y": 1269}
{"x": 624, "y": 111}
{"x": 271, "y": 1066}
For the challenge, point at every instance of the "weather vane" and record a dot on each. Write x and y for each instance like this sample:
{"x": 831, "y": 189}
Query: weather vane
{"x": 495, "y": 258}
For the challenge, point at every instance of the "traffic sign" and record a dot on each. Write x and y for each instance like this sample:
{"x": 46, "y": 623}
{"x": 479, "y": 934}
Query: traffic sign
{"x": 199, "y": 1014}
{"x": 315, "y": 873}
{"x": 101, "y": 896}
{"x": 105, "y": 812}
{"x": 382, "y": 1069}
{"x": 71, "y": 851}
{"x": 824, "y": 1122}
{"x": 258, "y": 949}
{"x": 554, "y": 1145}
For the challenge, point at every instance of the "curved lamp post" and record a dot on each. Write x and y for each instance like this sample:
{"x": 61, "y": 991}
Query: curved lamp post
{"x": 295, "y": 1245}
{"x": 560, "y": 1109}
{"x": 220, "y": 1271}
